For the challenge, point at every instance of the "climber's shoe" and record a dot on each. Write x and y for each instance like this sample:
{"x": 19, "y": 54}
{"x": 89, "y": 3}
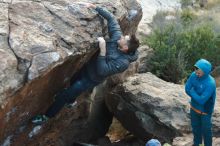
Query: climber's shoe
{"x": 39, "y": 119}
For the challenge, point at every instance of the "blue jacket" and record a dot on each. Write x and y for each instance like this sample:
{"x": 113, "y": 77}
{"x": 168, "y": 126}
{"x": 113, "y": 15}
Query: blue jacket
{"x": 115, "y": 60}
{"x": 202, "y": 90}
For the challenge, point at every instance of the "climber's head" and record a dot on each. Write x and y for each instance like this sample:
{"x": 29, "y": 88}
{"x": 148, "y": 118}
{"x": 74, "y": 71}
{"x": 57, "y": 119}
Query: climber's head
{"x": 128, "y": 43}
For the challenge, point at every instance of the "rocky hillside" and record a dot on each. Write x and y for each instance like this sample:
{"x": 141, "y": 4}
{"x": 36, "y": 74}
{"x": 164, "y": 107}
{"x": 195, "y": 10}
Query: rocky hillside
{"x": 150, "y": 8}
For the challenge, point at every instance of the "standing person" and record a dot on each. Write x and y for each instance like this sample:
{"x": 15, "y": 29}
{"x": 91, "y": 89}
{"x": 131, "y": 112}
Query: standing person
{"x": 201, "y": 87}
{"x": 115, "y": 56}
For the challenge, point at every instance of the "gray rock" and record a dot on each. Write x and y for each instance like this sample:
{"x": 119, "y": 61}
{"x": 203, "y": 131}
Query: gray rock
{"x": 10, "y": 78}
{"x": 41, "y": 63}
{"x": 145, "y": 55}
{"x": 147, "y": 105}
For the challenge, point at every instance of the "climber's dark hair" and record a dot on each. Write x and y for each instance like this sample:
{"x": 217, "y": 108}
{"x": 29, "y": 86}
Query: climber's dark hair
{"x": 133, "y": 44}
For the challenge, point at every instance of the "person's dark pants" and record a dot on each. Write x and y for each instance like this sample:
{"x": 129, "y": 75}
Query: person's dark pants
{"x": 81, "y": 84}
{"x": 201, "y": 128}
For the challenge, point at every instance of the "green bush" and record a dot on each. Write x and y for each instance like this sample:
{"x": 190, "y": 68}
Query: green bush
{"x": 168, "y": 62}
{"x": 178, "y": 46}
{"x": 187, "y": 16}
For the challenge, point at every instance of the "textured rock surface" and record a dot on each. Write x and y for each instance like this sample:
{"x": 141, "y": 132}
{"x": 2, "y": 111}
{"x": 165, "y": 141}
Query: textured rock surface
{"x": 148, "y": 106}
{"x": 42, "y": 44}
{"x": 145, "y": 55}
{"x": 10, "y": 78}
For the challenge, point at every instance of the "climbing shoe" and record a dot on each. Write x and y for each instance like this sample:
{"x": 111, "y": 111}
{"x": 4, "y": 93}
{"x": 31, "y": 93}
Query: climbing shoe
{"x": 39, "y": 119}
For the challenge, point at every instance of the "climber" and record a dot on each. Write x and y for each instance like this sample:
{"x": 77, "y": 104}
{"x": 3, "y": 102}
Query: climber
{"x": 201, "y": 88}
{"x": 115, "y": 56}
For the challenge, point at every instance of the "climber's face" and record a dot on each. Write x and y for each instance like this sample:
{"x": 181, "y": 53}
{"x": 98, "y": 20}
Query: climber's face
{"x": 123, "y": 43}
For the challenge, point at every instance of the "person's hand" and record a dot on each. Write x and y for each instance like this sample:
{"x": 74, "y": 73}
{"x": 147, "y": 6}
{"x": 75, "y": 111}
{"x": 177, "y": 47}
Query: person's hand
{"x": 102, "y": 46}
{"x": 90, "y": 5}
{"x": 87, "y": 5}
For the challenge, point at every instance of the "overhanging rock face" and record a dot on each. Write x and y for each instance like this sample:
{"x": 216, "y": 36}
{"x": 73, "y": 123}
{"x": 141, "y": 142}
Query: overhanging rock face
{"x": 42, "y": 44}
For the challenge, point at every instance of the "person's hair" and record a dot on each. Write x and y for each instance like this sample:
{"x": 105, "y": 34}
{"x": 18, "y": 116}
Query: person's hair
{"x": 133, "y": 44}
{"x": 195, "y": 68}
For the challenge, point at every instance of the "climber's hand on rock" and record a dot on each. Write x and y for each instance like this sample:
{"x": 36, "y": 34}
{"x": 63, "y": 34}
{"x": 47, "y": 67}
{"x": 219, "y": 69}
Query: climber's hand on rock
{"x": 87, "y": 5}
{"x": 102, "y": 46}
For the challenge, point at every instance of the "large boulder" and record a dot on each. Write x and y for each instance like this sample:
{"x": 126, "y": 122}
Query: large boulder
{"x": 43, "y": 43}
{"x": 150, "y": 107}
